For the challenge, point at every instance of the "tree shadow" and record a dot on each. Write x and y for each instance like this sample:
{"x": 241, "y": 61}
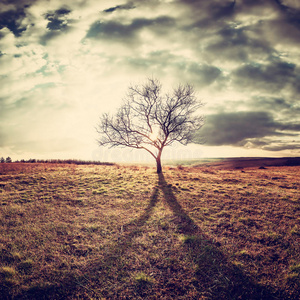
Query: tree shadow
{"x": 185, "y": 224}
{"x": 113, "y": 265}
{"x": 216, "y": 277}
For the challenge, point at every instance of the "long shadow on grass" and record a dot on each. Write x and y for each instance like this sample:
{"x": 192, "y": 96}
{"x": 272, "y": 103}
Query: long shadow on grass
{"x": 216, "y": 277}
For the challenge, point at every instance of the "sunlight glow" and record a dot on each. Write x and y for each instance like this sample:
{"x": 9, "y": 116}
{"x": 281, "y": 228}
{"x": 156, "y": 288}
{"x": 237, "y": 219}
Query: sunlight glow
{"x": 154, "y": 134}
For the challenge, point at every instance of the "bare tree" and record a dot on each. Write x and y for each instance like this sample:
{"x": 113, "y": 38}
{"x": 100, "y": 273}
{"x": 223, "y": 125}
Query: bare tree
{"x": 151, "y": 121}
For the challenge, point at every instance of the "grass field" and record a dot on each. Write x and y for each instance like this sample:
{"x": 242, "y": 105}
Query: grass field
{"x": 122, "y": 232}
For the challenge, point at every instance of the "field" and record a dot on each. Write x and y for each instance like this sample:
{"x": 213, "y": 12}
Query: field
{"x": 123, "y": 232}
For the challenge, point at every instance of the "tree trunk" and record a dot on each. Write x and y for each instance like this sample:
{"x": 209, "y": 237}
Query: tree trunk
{"x": 158, "y": 165}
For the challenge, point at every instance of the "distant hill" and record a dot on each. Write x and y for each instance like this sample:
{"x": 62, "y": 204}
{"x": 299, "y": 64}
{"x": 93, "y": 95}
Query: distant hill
{"x": 248, "y": 162}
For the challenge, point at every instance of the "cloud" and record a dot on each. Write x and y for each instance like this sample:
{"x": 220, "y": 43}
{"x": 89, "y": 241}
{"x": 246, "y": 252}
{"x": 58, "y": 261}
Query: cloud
{"x": 282, "y": 146}
{"x": 271, "y": 77}
{"x": 126, "y": 6}
{"x": 216, "y": 9}
{"x": 238, "y": 44}
{"x": 58, "y": 23}
{"x": 282, "y": 107}
{"x": 57, "y": 20}
{"x": 164, "y": 62}
{"x": 272, "y": 144}
{"x": 203, "y": 74}
{"x": 290, "y": 10}
{"x": 238, "y": 128}
{"x": 12, "y": 20}
{"x": 117, "y": 31}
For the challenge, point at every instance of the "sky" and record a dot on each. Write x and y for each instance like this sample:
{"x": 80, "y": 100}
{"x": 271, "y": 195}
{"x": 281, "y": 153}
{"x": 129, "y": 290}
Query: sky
{"x": 65, "y": 62}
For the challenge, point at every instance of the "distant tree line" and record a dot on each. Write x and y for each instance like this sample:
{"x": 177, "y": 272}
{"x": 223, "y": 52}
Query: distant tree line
{"x": 5, "y": 160}
{"x": 56, "y": 161}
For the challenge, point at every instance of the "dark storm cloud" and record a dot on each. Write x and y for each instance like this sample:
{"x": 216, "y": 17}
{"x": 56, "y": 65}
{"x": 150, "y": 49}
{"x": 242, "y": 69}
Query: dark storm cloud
{"x": 216, "y": 8}
{"x": 203, "y": 75}
{"x": 196, "y": 73}
{"x": 62, "y": 11}
{"x": 271, "y": 144}
{"x": 291, "y": 13}
{"x": 207, "y": 17}
{"x": 58, "y": 23}
{"x": 12, "y": 20}
{"x": 284, "y": 28}
{"x": 235, "y": 44}
{"x": 282, "y": 146}
{"x": 241, "y": 41}
{"x": 127, "y": 6}
{"x": 271, "y": 77}
{"x": 114, "y": 30}
{"x": 287, "y": 9}
{"x": 290, "y": 127}
{"x": 225, "y": 9}
{"x": 238, "y": 127}
{"x": 13, "y": 17}
{"x": 288, "y": 107}
{"x": 57, "y": 20}
{"x": 18, "y": 3}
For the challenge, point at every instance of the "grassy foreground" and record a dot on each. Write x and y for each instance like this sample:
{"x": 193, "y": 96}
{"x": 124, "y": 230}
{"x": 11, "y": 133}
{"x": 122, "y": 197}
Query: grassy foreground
{"x": 112, "y": 232}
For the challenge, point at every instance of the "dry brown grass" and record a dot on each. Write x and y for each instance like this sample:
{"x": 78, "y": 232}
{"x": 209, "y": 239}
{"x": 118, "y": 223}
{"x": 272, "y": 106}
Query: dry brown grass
{"x": 113, "y": 232}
